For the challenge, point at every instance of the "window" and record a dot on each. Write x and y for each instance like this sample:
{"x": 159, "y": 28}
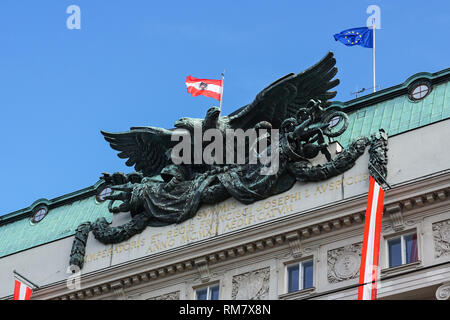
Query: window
{"x": 419, "y": 91}
{"x": 300, "y": 276}
{"x": 39, "y": 214}
{"x": 207, "y": 293}
{"x": 107, "y": 191}
{"x": 402, "y": 250}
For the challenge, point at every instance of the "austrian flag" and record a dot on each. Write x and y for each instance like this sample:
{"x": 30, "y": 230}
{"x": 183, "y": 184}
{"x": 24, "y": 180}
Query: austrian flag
{"x": 371, "y": 243}
{"x": 205, "y": 87}
{"x": 21, "y": 291}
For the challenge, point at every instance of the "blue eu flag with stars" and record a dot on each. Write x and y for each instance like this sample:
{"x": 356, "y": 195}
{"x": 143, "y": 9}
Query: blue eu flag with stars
{"x": 356, "y": 37}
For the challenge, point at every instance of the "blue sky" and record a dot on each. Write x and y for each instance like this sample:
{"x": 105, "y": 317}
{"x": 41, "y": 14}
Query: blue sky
{"x": 127, "y": 64}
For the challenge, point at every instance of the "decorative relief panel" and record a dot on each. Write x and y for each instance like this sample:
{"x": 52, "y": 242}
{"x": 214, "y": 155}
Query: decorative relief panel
{"x": 344, "y": 263}
{"x": 253, "y": 285}
{"x": 441, "y": 236}
{"x": 167, "y": 296}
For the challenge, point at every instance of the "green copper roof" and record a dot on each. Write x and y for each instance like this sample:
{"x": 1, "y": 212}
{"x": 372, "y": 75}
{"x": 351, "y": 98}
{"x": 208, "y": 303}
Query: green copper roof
{"x": 398, "y": 114}
{"x": 390, "y": 109}
{"x": 17, "y": 233}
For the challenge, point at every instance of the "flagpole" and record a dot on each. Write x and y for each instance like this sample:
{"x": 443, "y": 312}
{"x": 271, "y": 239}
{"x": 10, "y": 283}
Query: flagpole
{"x": 21, "y": 276}
{"x": 221, "y": 95}
{"x": 373, "y": 55}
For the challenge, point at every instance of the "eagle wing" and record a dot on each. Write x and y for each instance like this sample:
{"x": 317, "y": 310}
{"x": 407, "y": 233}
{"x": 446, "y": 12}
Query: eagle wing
{"x": 144, "y": 147}
{"x": 284, "y": 97}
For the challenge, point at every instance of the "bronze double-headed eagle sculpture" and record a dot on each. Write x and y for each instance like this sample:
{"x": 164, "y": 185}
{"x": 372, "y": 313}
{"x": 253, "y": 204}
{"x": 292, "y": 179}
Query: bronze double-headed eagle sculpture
{"x": 162, "y": 191}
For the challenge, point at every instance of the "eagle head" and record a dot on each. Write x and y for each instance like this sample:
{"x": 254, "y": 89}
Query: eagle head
{"x": 211, "y": 118}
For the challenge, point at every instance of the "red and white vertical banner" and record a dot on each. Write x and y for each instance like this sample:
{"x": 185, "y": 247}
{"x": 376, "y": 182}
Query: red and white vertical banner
{"x": 21, "y": 291}
{"x": 368, "y": 273}
{"x": 205, "y": 87}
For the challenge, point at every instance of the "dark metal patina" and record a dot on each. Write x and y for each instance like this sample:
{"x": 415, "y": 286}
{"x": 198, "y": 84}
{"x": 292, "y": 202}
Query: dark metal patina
{"x": 160, "y": 193}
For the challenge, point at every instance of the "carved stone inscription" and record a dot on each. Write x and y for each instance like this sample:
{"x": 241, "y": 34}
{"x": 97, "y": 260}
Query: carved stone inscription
{"x": 344, "y": 263}
{"x": 441, "y": 236}
{"x": 253, "y": 285}
{"x": 227, "y": 216}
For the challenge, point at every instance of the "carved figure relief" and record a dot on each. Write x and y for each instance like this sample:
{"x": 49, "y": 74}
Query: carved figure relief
{"x": 253, "y": 285}
{"x": 344, "y": 263}
{"x": 441, "y": 236}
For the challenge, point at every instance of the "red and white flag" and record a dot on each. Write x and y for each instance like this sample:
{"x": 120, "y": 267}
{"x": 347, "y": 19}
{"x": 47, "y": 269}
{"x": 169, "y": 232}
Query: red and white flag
{"x": 21, "y": 291}
{"x": 368, "y": 273}
{"x": 205, "y": 87}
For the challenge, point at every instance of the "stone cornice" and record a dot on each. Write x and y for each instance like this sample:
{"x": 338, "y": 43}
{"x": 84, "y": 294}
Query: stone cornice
{"x": 292, "y": 230}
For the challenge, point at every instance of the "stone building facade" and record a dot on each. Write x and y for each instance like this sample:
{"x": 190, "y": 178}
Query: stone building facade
{"x": 245, "y": 252}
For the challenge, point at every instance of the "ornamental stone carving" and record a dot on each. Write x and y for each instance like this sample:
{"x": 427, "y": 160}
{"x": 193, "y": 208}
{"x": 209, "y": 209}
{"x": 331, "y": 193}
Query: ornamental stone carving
{"x": 253, "y": 285}
{"x": 443, "y": 292}
{"x": 441, "y": 236}
{"x": 167, "y": 296}
{"x": 396, "y": 215}
{"x": 344, "y": 263}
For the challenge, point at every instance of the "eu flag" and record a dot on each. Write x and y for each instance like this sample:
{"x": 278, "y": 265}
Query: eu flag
{"x": 356, "y": 37}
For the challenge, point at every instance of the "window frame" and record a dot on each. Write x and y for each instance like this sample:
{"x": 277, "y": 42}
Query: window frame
{"x": 208, "y": 290}
{"x": 301, "y": 274}
{"x": 414, "y": 86}
{"x": 33, "y": 220}
{"x": 403, "y": 250}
